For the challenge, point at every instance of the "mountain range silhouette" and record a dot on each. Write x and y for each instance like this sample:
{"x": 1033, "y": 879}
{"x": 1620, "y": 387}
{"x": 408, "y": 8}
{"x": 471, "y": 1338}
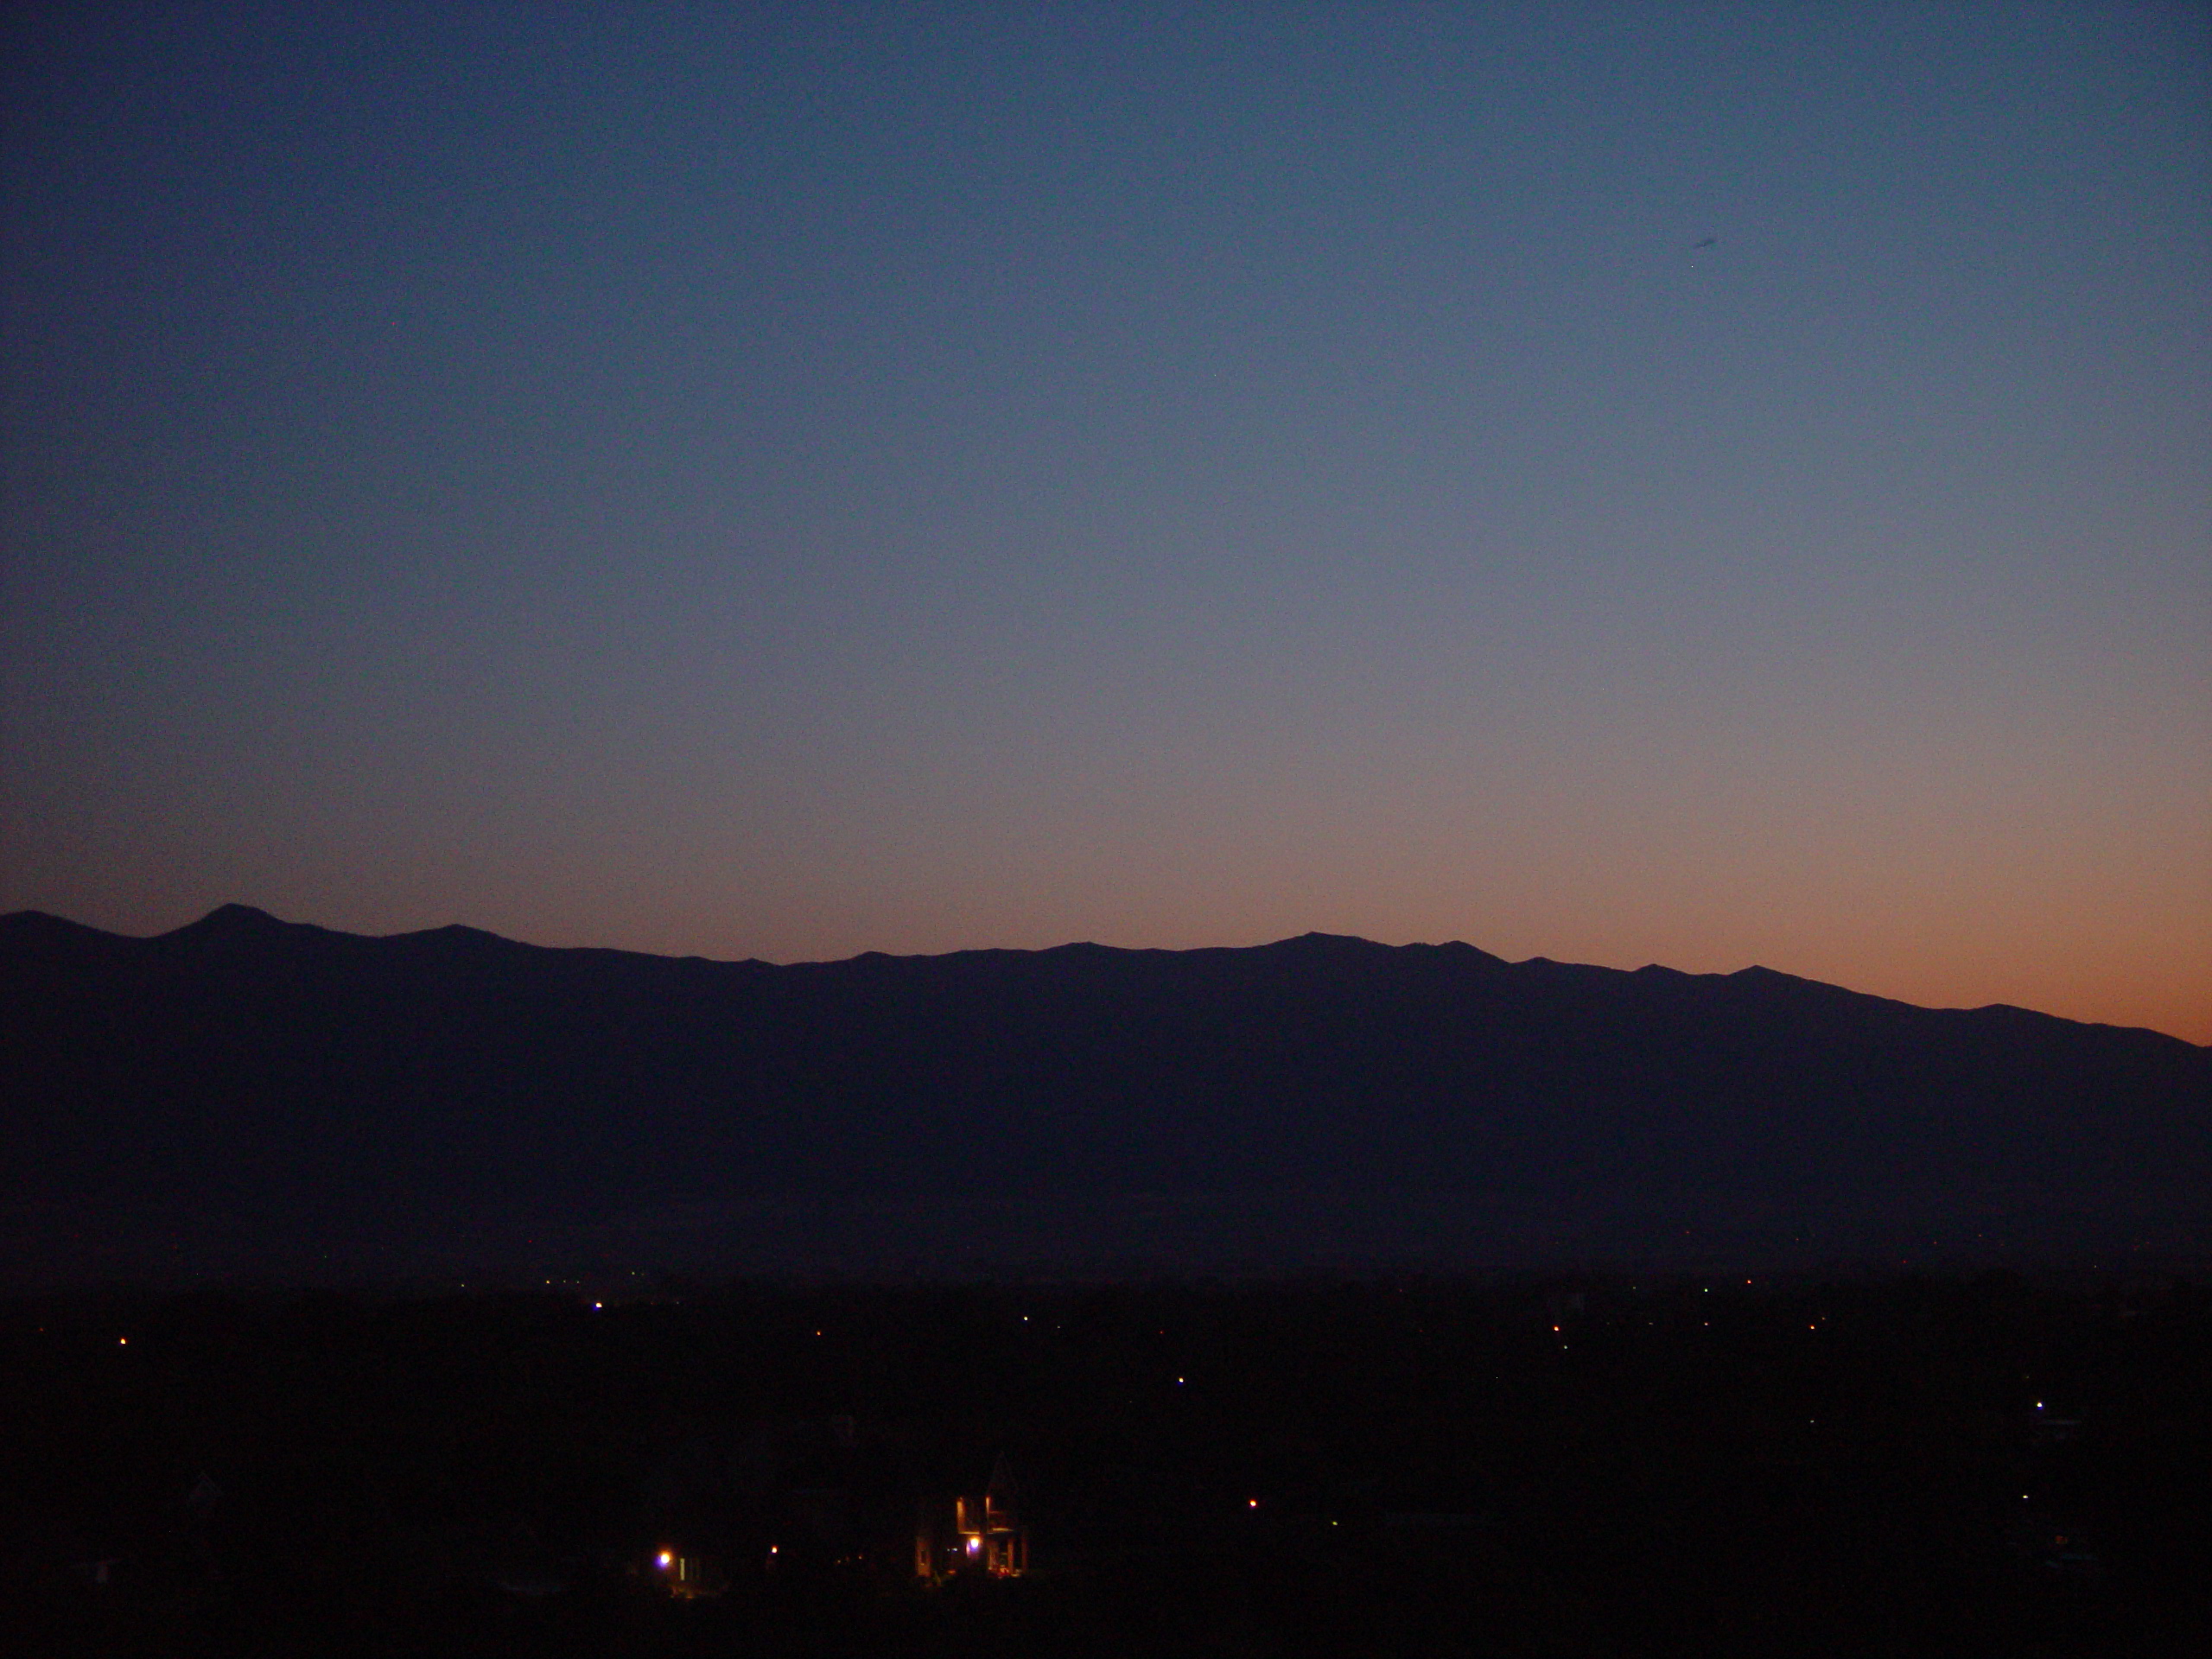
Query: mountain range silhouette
{"x": 245, "y": 1096}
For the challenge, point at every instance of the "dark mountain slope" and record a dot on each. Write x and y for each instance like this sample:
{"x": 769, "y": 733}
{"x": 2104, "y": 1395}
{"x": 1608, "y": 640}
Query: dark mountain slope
{"x": 303, "y": 1091}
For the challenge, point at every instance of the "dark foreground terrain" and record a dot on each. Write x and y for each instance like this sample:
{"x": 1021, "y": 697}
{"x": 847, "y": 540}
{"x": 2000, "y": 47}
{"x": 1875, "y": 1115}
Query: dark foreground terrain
{"x": 1706, "y": 1466}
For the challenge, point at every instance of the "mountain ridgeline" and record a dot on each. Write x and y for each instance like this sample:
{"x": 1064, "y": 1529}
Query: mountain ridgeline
{"x": 250, "y": 1096}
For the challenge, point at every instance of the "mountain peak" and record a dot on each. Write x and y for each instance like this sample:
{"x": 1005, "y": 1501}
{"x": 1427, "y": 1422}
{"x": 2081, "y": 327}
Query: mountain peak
{"x": 37, "y": 929}
{"x": 231, "y": 919}
{"x": 242, "y": 927}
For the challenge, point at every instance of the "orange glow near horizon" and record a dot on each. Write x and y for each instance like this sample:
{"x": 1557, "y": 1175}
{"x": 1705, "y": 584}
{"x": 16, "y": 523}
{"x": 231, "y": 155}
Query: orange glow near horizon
{"x": 1767, "y": 527}
{"x": 2076, "y": 967}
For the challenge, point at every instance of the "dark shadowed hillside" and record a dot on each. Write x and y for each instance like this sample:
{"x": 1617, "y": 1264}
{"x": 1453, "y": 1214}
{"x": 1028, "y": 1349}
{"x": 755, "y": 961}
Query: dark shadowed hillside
{"x": 248, "y": 1090}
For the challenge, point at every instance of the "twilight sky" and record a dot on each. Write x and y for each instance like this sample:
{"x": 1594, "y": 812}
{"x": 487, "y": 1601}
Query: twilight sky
{"x": 784, "y": 482}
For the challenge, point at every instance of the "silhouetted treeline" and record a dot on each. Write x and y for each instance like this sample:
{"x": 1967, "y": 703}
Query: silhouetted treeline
{"x": 1564, "y": 1466}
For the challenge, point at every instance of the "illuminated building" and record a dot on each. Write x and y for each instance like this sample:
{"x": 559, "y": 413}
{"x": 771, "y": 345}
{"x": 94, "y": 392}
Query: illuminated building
{"x": 972, "y": 1536}
{"x": 685, "y": 1576}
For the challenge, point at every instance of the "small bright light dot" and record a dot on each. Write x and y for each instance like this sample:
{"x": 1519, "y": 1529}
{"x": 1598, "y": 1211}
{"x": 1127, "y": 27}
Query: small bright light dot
{"x": 598, "y": 1303}
{"x": 1251, "y": 1503}
{"x": 123, "y": 1340}
{"x": 666, "y": 1558}
{"x": 771, "y": 1549}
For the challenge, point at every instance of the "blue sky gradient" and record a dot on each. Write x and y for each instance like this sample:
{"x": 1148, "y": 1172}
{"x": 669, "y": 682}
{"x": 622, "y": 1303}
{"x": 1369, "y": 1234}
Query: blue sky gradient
{"x": 791, "y": 482}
